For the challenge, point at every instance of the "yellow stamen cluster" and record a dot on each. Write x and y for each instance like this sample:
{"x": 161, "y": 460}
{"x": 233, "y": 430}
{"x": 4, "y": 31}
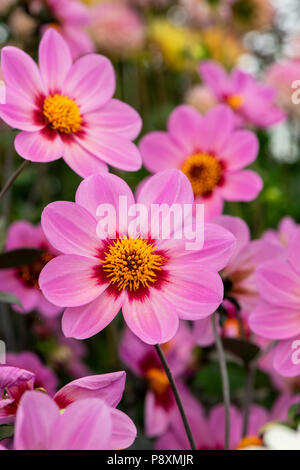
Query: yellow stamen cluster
{"x": 132, "y": 263}
{"x": 62, "y": 113}
{"x": 235, "y": 101}
{"x": 204, "y": 172}
{"x": 158, "y": 380}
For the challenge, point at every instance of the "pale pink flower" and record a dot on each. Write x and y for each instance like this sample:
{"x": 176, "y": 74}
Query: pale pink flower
{"x": 282, "y": 76}
{"x": 23, "y": 281}
{"x": 117, "y": 28}
{"x": 66, "y": 110}
{"x": 170, "y": 282}
{"x": 287, "y": 229}
{"x": 143, "y": 360}
{"x": 201, "y": 98}
{"x": 87, "y": 424}
{"x": 211, "y": 153}
{"x": 252, "y": 101}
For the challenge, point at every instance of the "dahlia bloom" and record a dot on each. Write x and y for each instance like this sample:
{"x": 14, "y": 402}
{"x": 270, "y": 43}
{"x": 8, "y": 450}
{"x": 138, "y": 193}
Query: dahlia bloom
{"x": 117, "y": 28}
{"x": 66, "y": 110}
{"x": 208, "y": 431}
{"x": 253, "y": 102}
{"x": 143, "y": 360}
{"x": 92, "y": 280}
{"x": 71, "y": 18}
{"x": 23, "y": 281}
{"x": 281, "y": 76}
{"x": 278, "y": 281}
{"x": 87, "y": 424}
{"x": 287, "y": 229}
{"x": 14, "y": 382}
{"x": 210, "y": 152}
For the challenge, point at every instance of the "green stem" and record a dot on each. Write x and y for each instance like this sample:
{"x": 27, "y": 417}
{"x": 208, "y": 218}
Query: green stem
{"x": 12, "y": 179}
{"x": 176, "y": 396}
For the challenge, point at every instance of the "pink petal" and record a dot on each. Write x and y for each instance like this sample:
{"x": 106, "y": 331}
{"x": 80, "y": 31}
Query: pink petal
{"x": 203, "y": 332}
{"x": 160, "y": 152}
{"x": 184, "y": 126}
{"x": 21, "y": 73}
{"x": 240, "y": 150}
{"x": 91, "y": 82}
{"x": 241, "y": 186}
{"x": 14, "y": 377}
{"x": 193, "y": 291}
{"x": 214, "y": 76}
{"x": 167, "y": 187}
{"x": 38, "y": 147}
{"x": 287, "y": 357}
{"x": 152, "y": 319}
{"x": 36, "y": 421}
{"x": 81, "y": 161}
{"x": 103, "y": 189}
{"x": 70, "y": 281}
{"x": 274, "y": 322}
{"x": 278, "y": 284}
{"x": 213, "y": 205}
{"x": 84, "y": 425}
{"x": 240, "y": 231}
{"x": 71, "y": 229}
{"x": 156, "y": 417}
{"x": 21, "y": 234}
{"x": 108, "y": 387}
{"x": 118, "y": 118}
{"x": 123, "y": 430}
{"x": 84, "y": 322}
{"x": 55, "y": 60}
{"x": 113, "y": 149}
{"x": 216, "y": 129}
{"x": 293, "y": 251}
{"x": 18, "y": 112}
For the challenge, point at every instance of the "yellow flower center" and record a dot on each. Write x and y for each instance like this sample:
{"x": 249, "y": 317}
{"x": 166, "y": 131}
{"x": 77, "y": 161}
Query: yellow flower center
{"x": 204, "y": 172}
{"x": 62, "y": 113}
{"x": 235, "y": 101}
{"x": 249, "y": 441}
{"x": 158, "y": 380}
{"x": 132, "y": 263}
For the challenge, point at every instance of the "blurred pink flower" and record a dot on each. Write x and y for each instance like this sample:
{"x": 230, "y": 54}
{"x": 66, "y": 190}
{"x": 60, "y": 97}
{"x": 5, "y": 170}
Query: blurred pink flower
{"x": 201, "y": 98}
{"x": 71, "y": 18}
{"x": 253, "y": 102}
{"x": 281, "y": 76}
{"x": 169, "y": 282}
{"x": 278, "y": 314}
{"x": 209, "y": 431}
{"x": 211, "y": 153}
{"x": 117, "y": 28}
{"x": 88, "y": 424}
{"x": 284, "y": 234}
{"x": 67, "y": 110}
{"x": 143, "y": 360}
{"x": 23, "y": 281}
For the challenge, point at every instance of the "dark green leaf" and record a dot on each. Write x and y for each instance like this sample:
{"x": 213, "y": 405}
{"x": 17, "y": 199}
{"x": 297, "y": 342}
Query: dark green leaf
{"x": 16, "y": 258}
{"x": 245, "y": 350}
{"x": 8, "y": 298}
{"x": 6, "y": 431}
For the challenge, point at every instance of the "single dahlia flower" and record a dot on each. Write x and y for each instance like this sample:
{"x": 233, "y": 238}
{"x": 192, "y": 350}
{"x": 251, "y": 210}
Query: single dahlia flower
{"x": 210, "y": 152}
{"x": 66, "y": 110}
{"x": 87, "y": 424}
{"x": 23, "y": 280}
{"x": 156, "y": 281}
{"x": 253, "y": 102}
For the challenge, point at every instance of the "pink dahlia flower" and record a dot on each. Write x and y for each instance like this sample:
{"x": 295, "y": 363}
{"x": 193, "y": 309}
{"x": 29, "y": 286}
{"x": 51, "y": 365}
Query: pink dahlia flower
{"x": 117, "y": 28}
{"x": 253, "y": 102}
{"x": 96, "y": 277}
{"x": 210, "y": 152}
{"x": 209, "y": 431}
{"x": 278, "y": 281}
{"x": 70, "y": 19}
{"x": 23, "y": 281}
{"x": 143, "y": 360}
{"x": 66, "y": 110}
{"x": 15, "y": 381}
{"x": 87, "y": 424}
